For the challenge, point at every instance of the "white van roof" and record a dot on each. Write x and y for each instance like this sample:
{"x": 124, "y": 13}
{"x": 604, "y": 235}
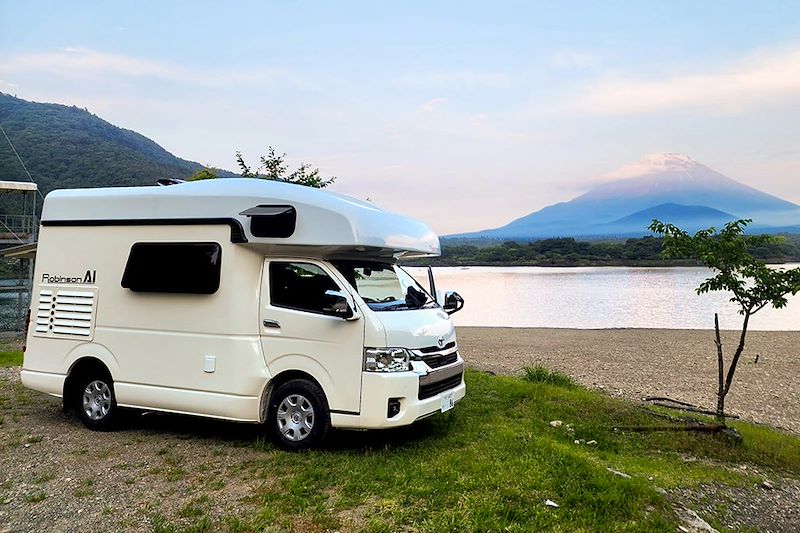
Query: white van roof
{"x": 341, "y": 225}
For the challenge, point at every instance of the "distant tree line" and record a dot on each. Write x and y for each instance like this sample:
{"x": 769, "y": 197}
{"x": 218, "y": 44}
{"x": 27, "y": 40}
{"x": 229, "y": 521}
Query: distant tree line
{"x": 645, "y": 251}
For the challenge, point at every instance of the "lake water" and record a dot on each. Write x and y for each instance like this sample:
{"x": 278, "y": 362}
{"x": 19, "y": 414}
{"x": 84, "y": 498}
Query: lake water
{"x": 582, "y": 297}
{"x": 597, "y": 297}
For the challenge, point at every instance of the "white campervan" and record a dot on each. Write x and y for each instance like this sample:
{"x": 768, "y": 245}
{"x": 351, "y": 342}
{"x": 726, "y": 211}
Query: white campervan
{"x": 242, "y": 299}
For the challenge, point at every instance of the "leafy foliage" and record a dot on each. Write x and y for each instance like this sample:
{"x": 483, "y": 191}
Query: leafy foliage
{"x": 203, "y": 174}
{"x": 753, "y": 284}
{"x": 274, "y": 167}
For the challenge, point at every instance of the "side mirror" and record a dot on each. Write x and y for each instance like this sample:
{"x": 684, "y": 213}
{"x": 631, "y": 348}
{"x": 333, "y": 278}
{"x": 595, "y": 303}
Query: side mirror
{"x": 338, "y": 305}
{"x": 453, "y": 302}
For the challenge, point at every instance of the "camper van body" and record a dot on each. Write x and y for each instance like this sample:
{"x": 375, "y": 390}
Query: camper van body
{"x": 204, "y": 298}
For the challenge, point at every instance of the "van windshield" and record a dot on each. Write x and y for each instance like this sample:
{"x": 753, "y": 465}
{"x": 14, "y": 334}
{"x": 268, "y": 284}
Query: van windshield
{"x": 383, "y": 286}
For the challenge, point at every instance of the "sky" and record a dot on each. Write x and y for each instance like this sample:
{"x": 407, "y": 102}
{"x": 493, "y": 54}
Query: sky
{"x": 463, "y": 114}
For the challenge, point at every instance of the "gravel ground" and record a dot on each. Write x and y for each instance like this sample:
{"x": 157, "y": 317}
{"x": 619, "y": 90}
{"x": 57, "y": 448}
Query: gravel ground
{"x": 635, "y": 363}
{"x": 57, "y": 476}
{"x": 753, "y": 507}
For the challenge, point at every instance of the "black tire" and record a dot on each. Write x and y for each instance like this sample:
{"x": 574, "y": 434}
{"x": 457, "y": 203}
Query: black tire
{"x": 95, "y": 401}
{"x": 298, "y": 417}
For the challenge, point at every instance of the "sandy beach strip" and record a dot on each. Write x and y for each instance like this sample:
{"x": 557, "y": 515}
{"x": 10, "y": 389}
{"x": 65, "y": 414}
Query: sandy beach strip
{"x": 635, "y": 363}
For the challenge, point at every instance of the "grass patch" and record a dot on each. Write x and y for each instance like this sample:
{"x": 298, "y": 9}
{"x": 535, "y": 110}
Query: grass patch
{"x": 487, "y": 465}
{"x": 10, "y": 359}
{"x": 36, "y": 497}
{"x": 490, "y": 464}
{"x": 85, "y": 490}
{"x": 44, "y": 477}
{"x": 540, "y": 374}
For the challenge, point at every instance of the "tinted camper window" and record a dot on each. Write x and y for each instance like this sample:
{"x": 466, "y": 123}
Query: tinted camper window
{"x": 187, "y": 268}
{"x": 299, "y": 286}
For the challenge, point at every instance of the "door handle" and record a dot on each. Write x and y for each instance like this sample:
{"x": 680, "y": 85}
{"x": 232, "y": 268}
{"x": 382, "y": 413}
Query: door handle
{"x": 272, "y": 324}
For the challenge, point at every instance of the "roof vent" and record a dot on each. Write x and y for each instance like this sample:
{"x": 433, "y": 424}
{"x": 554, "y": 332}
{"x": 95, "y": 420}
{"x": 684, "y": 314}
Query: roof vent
{"x": 277, "y": 221}
{"x": 169, "y": 181}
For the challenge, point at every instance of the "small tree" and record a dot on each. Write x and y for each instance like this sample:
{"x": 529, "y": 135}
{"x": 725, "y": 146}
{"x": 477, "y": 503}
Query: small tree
{"x": 754, "y": 285}
{"x": 273, "y": 167}
{"x": 205, "y": 173}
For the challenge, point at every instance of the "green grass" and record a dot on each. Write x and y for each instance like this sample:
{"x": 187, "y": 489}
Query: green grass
{"x": 487, "y": 465}
{"x": 540, "y": 374}
{"x": 85, "y": 490}
{"x": 36, "y": 497}
{"x": 10, "y": 359}
{"x": 490, "y": 464}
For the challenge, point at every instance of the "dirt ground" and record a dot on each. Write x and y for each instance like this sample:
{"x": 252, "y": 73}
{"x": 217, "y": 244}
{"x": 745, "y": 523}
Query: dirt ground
{"x": 635, "y": 363}
{"x": 57, "y": 476}
{"x": 166, "y": 470}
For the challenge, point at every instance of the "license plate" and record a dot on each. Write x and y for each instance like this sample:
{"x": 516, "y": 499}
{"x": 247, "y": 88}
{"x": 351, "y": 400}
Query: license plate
{"x": 447, "y": 401}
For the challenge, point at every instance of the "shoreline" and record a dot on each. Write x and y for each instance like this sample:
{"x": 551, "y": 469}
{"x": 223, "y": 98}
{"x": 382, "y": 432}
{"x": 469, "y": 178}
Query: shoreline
{"x": 553, "y": 328}
{"x": 639, "y": 362}
{"x": 641, "y": 264}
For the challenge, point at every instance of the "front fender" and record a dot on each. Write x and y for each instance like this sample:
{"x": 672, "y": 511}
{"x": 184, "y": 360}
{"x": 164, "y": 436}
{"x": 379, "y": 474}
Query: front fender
{"x": 307, "y": 365}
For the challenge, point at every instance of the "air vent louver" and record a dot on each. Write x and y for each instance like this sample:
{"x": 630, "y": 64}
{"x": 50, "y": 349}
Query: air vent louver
{"x": 65, "y": 313}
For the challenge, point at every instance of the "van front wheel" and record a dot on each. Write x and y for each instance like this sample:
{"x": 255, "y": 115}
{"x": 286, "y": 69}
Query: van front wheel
{"x": 298, "y": 415}
{"x": 97, "y": 405}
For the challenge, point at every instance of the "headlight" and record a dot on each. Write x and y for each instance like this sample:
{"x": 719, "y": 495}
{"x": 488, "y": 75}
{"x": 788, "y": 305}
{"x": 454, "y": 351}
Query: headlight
{"x": 386, "y": 360}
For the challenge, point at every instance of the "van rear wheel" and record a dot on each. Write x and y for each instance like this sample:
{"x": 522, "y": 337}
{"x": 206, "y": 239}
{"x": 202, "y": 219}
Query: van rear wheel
{"x": 96, "y": 402}
{"x": 298, "y": 415}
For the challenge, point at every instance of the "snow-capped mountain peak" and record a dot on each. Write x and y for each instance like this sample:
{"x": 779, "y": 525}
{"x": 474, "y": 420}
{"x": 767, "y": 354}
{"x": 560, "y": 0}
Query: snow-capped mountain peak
{"x": 670, "y": 185}
{"x": 654, "y": 164}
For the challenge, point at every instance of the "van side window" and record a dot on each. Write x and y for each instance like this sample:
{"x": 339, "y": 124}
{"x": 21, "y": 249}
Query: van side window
{"x": 299, "y": 286}
{"x": 173, "y": 267}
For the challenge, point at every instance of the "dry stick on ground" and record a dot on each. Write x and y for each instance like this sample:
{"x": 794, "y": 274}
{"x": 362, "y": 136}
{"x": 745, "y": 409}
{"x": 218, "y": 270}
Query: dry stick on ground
{"x": 709, "y": 428}
{"x": 669, "y": 403}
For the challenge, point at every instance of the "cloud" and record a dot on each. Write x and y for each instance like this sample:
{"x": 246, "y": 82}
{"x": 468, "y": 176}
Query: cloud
{"x": 432, "y": 105}
{"x": 757, "y": 79}
{"x": 79, "y": 62}
{"x": 73, "y": 60}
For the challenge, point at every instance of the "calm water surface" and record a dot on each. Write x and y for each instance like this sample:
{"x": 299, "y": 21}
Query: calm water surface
{"x": 597, "y": 297}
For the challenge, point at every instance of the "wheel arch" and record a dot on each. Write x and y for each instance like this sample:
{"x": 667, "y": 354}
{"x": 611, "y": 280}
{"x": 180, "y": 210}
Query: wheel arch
{"x": 278, "y": 380}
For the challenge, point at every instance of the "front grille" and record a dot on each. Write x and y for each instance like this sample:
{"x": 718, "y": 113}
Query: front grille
{"x": 435, "y": 361}
{"x": 432, "y": 349}
{"x": 432, "y": 389}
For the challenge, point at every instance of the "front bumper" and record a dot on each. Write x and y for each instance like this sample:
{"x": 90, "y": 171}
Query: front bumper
{"x": 419, "y": 396}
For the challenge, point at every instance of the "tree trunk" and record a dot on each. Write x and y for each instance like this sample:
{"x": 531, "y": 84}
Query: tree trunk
{"x": 725, "y": 387}
{"x": 720, "y": 373}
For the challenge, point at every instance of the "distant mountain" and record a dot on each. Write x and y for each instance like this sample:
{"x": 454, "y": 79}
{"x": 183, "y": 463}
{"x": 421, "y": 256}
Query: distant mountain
{"x": 68, "y": 147}
{"x": 688, "y": 217}
{"x": 656, "y": 181}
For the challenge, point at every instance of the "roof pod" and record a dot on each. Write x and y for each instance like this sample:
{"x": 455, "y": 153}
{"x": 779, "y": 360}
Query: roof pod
{"x": 339, "y": 224}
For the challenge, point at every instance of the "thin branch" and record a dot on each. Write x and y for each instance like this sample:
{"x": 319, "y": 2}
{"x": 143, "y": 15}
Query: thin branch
{"x": 739, "y": 350}
{"x": 665, "y": 399}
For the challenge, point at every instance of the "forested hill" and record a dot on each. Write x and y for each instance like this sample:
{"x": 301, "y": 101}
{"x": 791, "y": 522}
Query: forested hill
{"x": 68, "y": 147}
{"x": 644, "y": 251}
